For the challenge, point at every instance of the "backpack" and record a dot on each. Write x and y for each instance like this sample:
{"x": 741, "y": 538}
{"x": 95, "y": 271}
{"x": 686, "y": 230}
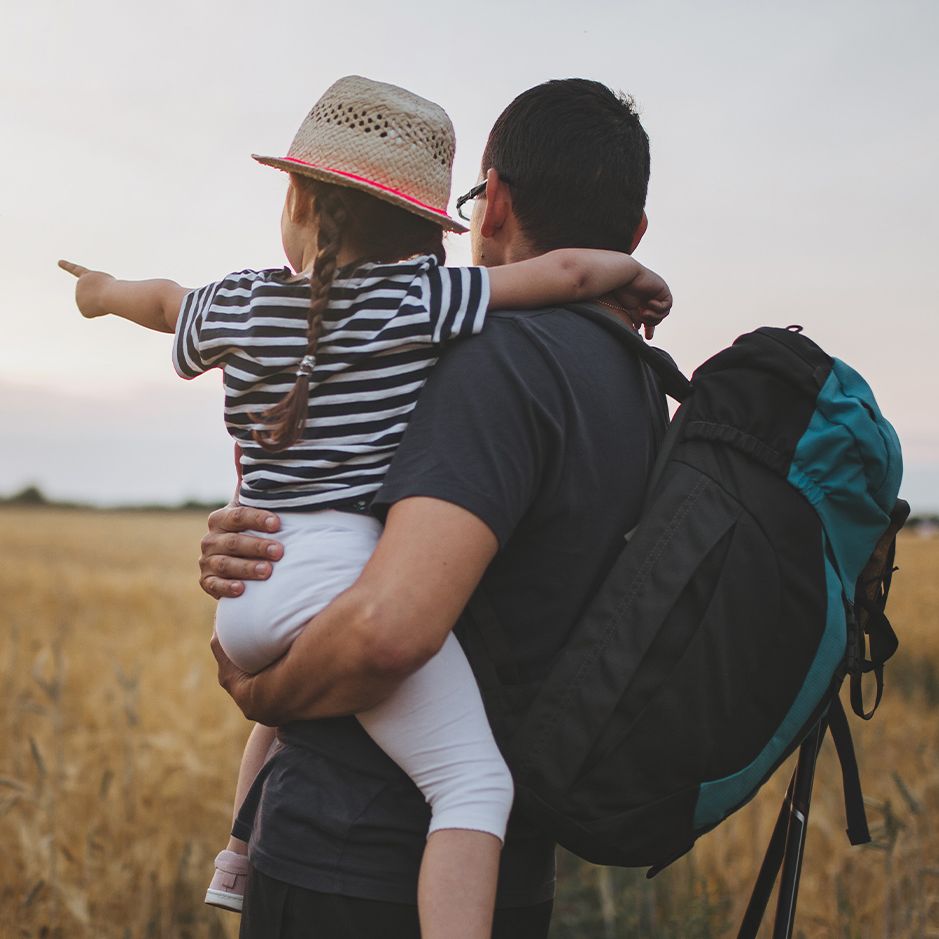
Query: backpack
{"x": 726, "y": 626}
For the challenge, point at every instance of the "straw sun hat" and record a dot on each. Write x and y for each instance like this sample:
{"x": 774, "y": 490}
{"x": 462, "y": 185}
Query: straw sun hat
{"x": 381, "y": 139}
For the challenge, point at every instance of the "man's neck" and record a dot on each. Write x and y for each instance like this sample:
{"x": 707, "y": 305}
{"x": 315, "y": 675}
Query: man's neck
{"x": 521, "y": 251}
{"x": 508, "y": 252}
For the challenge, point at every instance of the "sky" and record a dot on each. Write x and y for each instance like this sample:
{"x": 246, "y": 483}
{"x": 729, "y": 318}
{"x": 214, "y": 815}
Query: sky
{"x": 794, "y": 157}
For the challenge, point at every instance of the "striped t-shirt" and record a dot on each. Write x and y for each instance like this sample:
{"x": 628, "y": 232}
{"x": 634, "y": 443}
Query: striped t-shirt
{"x": 380, "y": 337}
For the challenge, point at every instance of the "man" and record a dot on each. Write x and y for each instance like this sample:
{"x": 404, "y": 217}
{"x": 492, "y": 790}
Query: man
{"x": 523, "y": 465}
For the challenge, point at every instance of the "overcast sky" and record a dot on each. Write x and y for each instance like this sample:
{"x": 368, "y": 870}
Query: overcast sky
{"x": 795, "y": 149}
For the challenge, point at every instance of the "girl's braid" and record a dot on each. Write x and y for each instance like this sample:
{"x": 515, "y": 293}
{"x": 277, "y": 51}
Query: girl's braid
{"x": 287, "y": 418}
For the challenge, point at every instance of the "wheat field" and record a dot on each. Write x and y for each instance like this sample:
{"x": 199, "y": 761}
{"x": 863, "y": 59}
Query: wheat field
{"x": 119, "y": 758}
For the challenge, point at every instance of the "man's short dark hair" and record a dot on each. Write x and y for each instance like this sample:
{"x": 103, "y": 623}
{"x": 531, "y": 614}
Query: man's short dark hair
{"x": 577, "y": 161}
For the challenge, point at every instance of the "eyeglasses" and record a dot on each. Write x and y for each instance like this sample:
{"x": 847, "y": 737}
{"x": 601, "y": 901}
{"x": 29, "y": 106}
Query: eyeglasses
{"x": 474, "y": 193}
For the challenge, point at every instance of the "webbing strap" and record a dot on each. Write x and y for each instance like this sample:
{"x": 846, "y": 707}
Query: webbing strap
{"x": 867, "y": 620}
{"x": 858, "y": 832}
{"x": 883, "y": 643}
{"x": 857, "y": 688}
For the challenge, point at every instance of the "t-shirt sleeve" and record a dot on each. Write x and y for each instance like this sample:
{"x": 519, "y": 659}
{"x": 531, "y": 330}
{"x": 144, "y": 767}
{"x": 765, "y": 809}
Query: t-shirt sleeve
{"x": 448, "y": 302}
{"x": 202, "y": 339}
{"x": 487, "y": 422}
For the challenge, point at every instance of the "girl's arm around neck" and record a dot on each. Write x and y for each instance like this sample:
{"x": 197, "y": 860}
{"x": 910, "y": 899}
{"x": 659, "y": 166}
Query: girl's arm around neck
{"x": 569, "y": 275}
{"x": 150, "y": 303}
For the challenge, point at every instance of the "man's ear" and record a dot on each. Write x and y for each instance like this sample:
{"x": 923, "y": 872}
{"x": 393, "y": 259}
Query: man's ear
{"x": 498, "y": 204}
{"x": 639, "y": 232}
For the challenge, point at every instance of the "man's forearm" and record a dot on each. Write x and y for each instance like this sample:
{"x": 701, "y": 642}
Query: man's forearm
{"x": 338, "y": 665}
{"x": 391, "y": 621}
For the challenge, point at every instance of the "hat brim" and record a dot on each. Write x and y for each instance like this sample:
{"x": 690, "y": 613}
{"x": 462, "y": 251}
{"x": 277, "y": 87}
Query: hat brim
{"x": 340, "y": 178}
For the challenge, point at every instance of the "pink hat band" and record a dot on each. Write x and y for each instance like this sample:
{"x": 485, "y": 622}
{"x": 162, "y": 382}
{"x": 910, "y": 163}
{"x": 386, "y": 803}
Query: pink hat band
{"x": 381, "y": 139}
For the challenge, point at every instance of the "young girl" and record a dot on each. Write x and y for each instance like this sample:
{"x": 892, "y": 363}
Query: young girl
{"x": 321, "y": 370}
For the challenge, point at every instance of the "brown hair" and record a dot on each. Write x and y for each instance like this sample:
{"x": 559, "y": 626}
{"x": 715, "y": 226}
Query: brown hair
{"x": 383, "y": 233}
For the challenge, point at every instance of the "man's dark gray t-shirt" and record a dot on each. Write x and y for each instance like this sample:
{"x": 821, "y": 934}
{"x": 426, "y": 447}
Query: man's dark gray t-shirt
{"x": 540, "y": 427}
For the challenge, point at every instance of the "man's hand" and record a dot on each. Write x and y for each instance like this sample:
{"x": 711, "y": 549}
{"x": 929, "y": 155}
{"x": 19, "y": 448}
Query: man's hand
{"x": 236, "y": 682}
{"x": 230, "y": 557}
{"x": 89, "y": 289}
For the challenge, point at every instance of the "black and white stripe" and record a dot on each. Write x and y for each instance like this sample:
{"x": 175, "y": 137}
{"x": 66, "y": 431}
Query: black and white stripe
{"x": 380, "y": 339}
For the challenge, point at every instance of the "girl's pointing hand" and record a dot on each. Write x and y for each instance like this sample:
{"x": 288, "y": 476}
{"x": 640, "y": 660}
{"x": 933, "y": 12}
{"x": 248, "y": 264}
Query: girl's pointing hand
{"x": 88, "y": 289}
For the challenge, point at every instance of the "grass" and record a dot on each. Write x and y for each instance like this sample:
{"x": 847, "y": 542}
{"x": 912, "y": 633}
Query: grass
{"x": 120, "y": 754}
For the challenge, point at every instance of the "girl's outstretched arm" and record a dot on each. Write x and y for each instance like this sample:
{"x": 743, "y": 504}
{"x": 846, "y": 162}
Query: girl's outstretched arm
{"x": 151, "y": 303}
{"x": 568, "y": 275}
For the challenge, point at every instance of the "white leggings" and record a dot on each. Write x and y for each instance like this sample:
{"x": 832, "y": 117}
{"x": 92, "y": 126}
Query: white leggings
{"x": 434, "y": 726}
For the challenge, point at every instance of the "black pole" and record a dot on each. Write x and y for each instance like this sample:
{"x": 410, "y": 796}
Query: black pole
{"x": 769, "y": 871}
{"x": 796, "y": 832}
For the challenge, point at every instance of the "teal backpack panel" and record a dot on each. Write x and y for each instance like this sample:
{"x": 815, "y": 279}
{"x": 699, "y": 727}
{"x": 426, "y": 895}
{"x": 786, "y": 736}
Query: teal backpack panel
{"x": 848, "y": 465}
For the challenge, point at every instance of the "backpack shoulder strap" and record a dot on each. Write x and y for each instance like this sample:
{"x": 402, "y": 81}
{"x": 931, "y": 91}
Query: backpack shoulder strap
{"x": 673, "y": 382}
{"x": 479, "y": 630}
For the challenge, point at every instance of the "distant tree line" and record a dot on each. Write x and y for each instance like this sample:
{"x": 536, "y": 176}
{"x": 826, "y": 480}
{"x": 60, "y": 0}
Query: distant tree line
{"x": 33, "y": 497}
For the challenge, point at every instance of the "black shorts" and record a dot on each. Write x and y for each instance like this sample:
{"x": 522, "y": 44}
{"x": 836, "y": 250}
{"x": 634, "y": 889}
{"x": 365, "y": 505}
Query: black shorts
{"x": 275, "y": 910}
